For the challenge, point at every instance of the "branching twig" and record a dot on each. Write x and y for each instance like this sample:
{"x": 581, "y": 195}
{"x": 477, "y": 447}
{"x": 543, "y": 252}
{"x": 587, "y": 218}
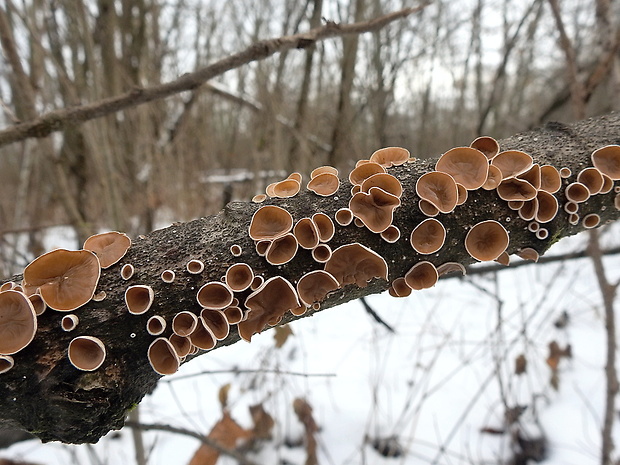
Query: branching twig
{"x": 59, "y": 119}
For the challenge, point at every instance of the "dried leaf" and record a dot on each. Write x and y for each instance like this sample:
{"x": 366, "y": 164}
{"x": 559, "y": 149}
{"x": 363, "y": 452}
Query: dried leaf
{"x": 520, "y": 365}
{"x": 263, "y": 422}
{"x": 281, "y": 335}
{"x": 222, "y": 395}
{"x": 303, "y": 410}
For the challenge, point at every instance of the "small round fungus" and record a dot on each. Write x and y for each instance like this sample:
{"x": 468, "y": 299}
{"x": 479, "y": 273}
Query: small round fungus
{"x": 486, "y": 240}
{"x": 439, "y": 189}
{"x": 182, "y": 345}
{"x": 163, "y": 357}
{"x": 281, "y": 250}
{"x": 235, "y": 250}
{"x": 69, "y": 322}
{"x": 390, "y": 156}
{"x": 325, "y": 226}
{"x": 542, "y": 233}
{"x": 321, "y": 253}
{"x": 577, "y": 192}
{"x": 487, "y": 145}
{"x": 6, "y": 363}
{"x": 547, "y": 207}
{"x": 422, "y": 275}
{"x": 607, "y": 161}
{"x": 533, "y": 226}
{"x": 233, "y": 314}
{"x": 214, "y": 295}
{"x": 401, "y": 288}
{"x": 428, "y": 208}
{"x": 109, "y": 247}
{"x": 39, "y": 305}
{"x": 239, "y": 277}
{"x": 468, "y": 166}
{"x": 306, "y": 233}
{"x": 257, "y": 282}
{"x": 296, "y": 176}
{"x": 385, "y": 181}
{"x": 573, "y": 218}
{"x": 287, "y": 188}
{"x": 363, "y": 172}
{"x": 391, "y": 234}
{"x": 323, "y": 169}
{"x": 195, "y": 266}
{"x": 494, "y": 178}
{"x": 451, "y": 267}
{"x": 565, "y": 172}
{"x": 515, "y": 204}
{"x": 344, "y": 216}
{"x": 18, "y": 322}
{"x": 167, "y": 276}
{"x": 259, "y": 198}
{"x": 529, "y": 209}
{"x": 270, "y": 222}
{"x": 8, "y": 286}
{"x": 324, "y": 184}
{"x": 355, "y": 263}
{"x": 269, "y": 190}
{"x": 139, "y": 299}
{"x": 99, "y": 296}
{"x": 608, "y": 184}
{"x": 533, "y": 176}
{"x": 516, "y": 189}
{"x": 315, "y": 286}
{"x": 184, "y": 323}
{"x": 503, "y": 259}
{"x": 617, "y": 202}
{"x": 461, "y": 194}
{"x": 127, "y": 271}
{"x": 571, "y": 207}
{"x": 375, "y": 208}
{"x": 155, "y": 325}
{"x": 66, "y": 279}
{"x": 528, "y": 254}
{"x": 592, "y": 179}
{"x": 202, "y": 337}
{"x": 512, "y": 162}
{"x": 550, "y": 179}
{"x": 261, "y": 247}
{"x": 428, "y": 236}
{"x": 216, "y": 322}
{"x": 591, "y": 221}
{"x": 86, "y": 353}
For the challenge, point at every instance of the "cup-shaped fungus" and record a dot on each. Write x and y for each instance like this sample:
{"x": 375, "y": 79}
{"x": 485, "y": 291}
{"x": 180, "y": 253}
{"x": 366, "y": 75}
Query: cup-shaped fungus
{"x": 391, "y": 234}
{"x": 591, "y": 221}
{"x": 261, "y": 247}
{"x": 272, "y": 300}
{"x": 461, "y": 194}
{"x": 385, "y": 181}
{"x": 494, "y": 178}
{"x": 451, "y": 267}
{"x": 155, "y": 325}
{"x": 86, "y": 353}
{"x": 239, "y": 277}
{"x": 167, "y": 276}
{"x": 565, "y": 172}
{"x": 182, "y": 345}
{"x": 270, "y": 222}
{"x": 216, "y": 322}
{"x": 532, "y": 176}
{"x": 515, "y": 204}
{"x": 259, "y": 198}
{"x": 528, "y": 254}
{"x": 468, "y": 166}
{"x": 233, "y": 314}
{"x": 325, "y": 226}
{"x": 323, "y": 169}
{"x": 375, "y": 208}
{"x": 109, "y": 247}
{"x": 550, "y": 179}
{"x": 281, "y": 250}
{"x": 69, "y": 322}
{"x": 8, "y": 286}
{"x": 214, "y": 295}
{"x": 422, "y": 275}
{"x": 321, "y": 253}
{"x": 512, "y": 162}
{"x": 139, "y": 299}
{"x": 439, "y": 189}
{"x": 314, "y": 286}
{"x": 363, "y": 172}
{"x": 428, "y": 208}
{"x": 573, "y": 218}
{"x": 529, "y": 209}
{"x": 592, "y": 179}
{"x": 390, "y": 156}
{"x": 257, "y": 282}
{"x": 184, "y": 323}
{"x": 577, "y": 192}
{"x": 163, "y": 357}
{"x": 38, "y": 304}
{"x": 401, "y": 288}
{"x": 355, "y": 263}
{"x": 516, "y": 189}
{"x": 547, "y": 207}
{"x": 503, "y": 259}
{"x": 287, "y": 188}
{"x": 6, "y": 363}
{"x": 127, "y": 271}
{"x": 607, "y": 161}
{"x": 324, "y": 184}
{"x": 608, "y": 184}
{"x": 533, "y": 226}
{"x": 306, "y": 233}
{"x": 571, "y": 207}
{"x": 202, "y": 337}
{"x": 343, "y": 216}
{"x": 235, "y": 250}
{"x": 542, "y": 233}
{"x": 296, "y": 176}
{"x": 428, "y": 237}
{"x": 195, "y": 266}
{"x": 66, "y": 279}
{"x": 486, "y": 240}
{"x": 486, "y": 145}
{"x": 18, "y": 322}
{"x": 617, "y": 202}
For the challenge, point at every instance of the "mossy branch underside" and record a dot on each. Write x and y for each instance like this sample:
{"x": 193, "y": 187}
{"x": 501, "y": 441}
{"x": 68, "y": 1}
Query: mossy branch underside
{"x": 46, "y": 395}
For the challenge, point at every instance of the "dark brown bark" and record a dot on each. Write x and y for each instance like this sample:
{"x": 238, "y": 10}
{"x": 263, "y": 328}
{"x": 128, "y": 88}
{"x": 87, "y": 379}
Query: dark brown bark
{"x": 44, "y": 394}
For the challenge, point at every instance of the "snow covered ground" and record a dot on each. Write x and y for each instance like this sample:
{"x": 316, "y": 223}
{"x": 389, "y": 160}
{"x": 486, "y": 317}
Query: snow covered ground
{"x": 447, "y": 373}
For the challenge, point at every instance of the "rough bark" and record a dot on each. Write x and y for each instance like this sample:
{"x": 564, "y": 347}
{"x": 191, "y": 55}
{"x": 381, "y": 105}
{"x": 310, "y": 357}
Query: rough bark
{"x": 45, "y": 395}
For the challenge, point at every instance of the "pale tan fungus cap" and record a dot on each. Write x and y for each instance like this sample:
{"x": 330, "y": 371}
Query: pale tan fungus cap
{"x": 390, "y": 156}
{"x": 428, "y": 236}
{"x": 127, "y": 271}
{"x": 69, "y": 322}
{"x": 66, "y": 279}
{"x": 607, "y": 161}
{"x": 182, "y": 345}
{"x": 439, "y": 189}
{"x": 315, "y": 286}
{"x": 451, "y": 267}
{"x": 214, "y": 295}
{"x": 216, "y": 322}
{"x": 512, "y": 162}
{"x": 235, "y": 250}
{"x": 195, "y": 266}
{"x": 533, "y": 176}
{"x": 391, "y": 234}
{"x": 324, "y": 184}
{"x": 542, "y": 234}
{"x": 363, "y": 172}
{"x": 18, "y": 322}
{"x": 184, "y": 323}
{"x": 86, "y": 353}
{"x": 375, "y": 208}
{"x": 344, "y": 216}
{"x": 233, "y": 314}
{"x": 296, "y": 176}
{"x": 617, "y": 202}
{"x": 592, "y": 179}
{"x": 355, "y": 263}
{"x": 139, "y": 299}
{"x": 565, "y": 172}
{"x": 286, "y": 189}
{"x": 272, "y": 300}
{"x": 571, "y": 207}
{"x": 591, "y": 221}
{"x": 39, "y": 304}
{"x": 109, "y": 247}
{"x": 533, "y": 226}
{"x": 608, "y": 184}
{"x": 385, "y": 181}
{"x": 269, "y": 190}
{"x": 550, "y": 179}
{"x": 573, "y": 218}
{"x": 503, "y": 259}
{"x": 270, "y": 222}
{"x": 428, "y": 208}
{"x": 515, "y": 204}
{"x": 528, "y": 254}
{"x": 155, "y": 325}
{"x": 323, "y": 169}
{"x": 261, "y": 247}
{"x": 494, "y": 178}
{"x": 401, "y": 288}
{"x": 239, "y": 277}
{"x": 202, "y": 338}
{"x": 547, "y": 207}
{"x": 422, "y": 275}
{"x": 486, "y": 240}
{"x": 6, "y": 363}
{"x": 259, "y": 198}
{"x": 325, "y": 226}
{"x": 468, "y": 166}
{"x": 516, "y": 189}
{"x": 461, "y": 194}
{"x": 306, "y": 233}
{"x": 529, "y": 209}
{"x": 486, "y": 145}
{"x": 168, "y": 276}
{"x": 281, "y": 250}
{"x": 577, "y": 192}
{"x": 321, "y": 253}
{"x": 163, "y": 357}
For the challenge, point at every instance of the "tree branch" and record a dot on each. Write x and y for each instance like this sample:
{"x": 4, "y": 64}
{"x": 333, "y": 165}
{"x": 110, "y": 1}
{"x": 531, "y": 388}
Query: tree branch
{"x": 45, "y": 394}
{"x": 58, "y": 120}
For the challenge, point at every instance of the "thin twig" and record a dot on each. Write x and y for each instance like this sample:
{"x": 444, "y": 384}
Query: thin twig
{"x": 235, "y": 371}
{"x": 375, "y": 315}
{"x": 58, "y": 120}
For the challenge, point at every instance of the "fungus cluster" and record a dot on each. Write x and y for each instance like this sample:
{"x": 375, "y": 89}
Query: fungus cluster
{"x": 66, "y": 280}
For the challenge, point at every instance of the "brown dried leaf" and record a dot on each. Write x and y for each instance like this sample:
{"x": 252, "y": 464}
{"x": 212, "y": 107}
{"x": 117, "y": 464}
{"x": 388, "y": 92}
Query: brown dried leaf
{"x": 303, "y": 410}
{"x": 282, "y": 334}
{"x": 520, "y": 365}
{"x": 222, "y": 395}
{"x": 263, "y": 422}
